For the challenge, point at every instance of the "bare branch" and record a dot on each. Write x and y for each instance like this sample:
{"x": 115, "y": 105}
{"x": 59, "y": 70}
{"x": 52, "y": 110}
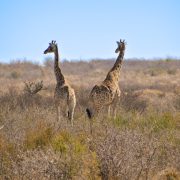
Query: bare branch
{"x": 33, "y": 87}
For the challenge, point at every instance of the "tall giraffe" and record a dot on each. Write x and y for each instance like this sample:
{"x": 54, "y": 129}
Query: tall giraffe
{"x": 108, "y": 91}
{"x": 64, "y": 95}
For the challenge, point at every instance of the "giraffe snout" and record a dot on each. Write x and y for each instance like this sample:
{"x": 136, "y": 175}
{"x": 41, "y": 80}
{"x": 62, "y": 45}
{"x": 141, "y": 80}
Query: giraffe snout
{"x": 117, "y": 50}
{"x": 45, "y": 52}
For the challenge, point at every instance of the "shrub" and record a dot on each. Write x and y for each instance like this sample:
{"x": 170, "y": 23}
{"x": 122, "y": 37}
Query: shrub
{"x": 61, "y": 141}
{"x": 14, "y": 75}
{"x": 38, "y": 137}
{"x": 65, "y": 143}
{"x": 171, "y": 71}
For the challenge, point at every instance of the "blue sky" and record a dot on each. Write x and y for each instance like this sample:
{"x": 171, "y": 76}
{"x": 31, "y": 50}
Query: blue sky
{"x": 89, "y": 29}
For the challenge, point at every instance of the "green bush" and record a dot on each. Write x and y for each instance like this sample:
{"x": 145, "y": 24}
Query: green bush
{"x": 39, "y": 137}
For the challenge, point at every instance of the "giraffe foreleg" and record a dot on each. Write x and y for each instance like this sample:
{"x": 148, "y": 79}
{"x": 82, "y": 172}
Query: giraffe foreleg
{"x": 109, "y": 111}
{"x": 116, "y": 102}
{"x": 71, "y": 107}
{"x": 115, "y": 112}
{"x": 58, "y": 113}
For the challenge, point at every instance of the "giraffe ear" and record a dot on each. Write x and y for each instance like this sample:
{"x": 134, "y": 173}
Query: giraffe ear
{"x": 118, "y": 43}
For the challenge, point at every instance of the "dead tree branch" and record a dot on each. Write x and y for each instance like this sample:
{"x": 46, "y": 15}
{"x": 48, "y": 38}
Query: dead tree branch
{"x": 33, "y": 87}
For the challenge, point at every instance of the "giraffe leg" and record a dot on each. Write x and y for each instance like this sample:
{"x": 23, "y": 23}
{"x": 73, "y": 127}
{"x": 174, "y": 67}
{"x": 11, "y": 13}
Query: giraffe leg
{"x": 71, "y": 107}
{"x": 115, "y": 112}
{"x": 109, "y": 111}
{"x": 58, "y": 113}
{"x": 71, "y": 115}
{"x": 116, "y": 107}
{"x": 66, "y": 112}
{"x": 91, "y": 125}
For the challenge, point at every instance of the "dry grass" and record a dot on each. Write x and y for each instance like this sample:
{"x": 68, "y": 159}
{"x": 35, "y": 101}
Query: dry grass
{"x": 142, "y": 142}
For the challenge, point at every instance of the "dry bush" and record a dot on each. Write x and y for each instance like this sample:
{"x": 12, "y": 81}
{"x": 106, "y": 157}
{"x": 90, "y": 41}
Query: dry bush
{"x": 12, "y": 99}
{"x": 125, "y": 155}
{"x": 38, "y": 137}
{"x": 50, "y": 165}
{"x": 135, "y": 148}
{"x": 177, "y": 103}
{"x": 150, "y": 99}
{"x": 143, "y": 140}
{"x": 132, "y": 154}
{"x": 33, "y": 87}
{"x": 46, "y": 153}
{"x": 168, "y": 173}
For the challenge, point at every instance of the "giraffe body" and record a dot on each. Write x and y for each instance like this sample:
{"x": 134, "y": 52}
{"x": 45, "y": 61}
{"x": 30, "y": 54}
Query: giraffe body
{"x": 65, "y": 101}
{"x": 108, "y": 91}
{"x": 64, "y": 95}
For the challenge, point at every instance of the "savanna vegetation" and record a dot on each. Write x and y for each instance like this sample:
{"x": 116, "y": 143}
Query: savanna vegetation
{"x": 142, "y": 142}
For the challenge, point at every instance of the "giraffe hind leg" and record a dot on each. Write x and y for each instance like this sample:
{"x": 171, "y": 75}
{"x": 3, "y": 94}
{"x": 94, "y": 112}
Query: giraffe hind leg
{"x": 71, "y": 108}
{"x": 115, "y": 112}
{"x": 58, "y": 113}
{"x": 71, "y": 115}
{"x": 68, "y": 114}
{"x": 109, "y": 111}
{"x": 91, "y": 126}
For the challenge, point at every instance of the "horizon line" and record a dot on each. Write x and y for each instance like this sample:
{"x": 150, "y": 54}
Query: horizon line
{"x": 25, "y": 60}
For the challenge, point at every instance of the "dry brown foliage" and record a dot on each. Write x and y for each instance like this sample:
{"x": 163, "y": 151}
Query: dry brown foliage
{"x": 143, "y": 142}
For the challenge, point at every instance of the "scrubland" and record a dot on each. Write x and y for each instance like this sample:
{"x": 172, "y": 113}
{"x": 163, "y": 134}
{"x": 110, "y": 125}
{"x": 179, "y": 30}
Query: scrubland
{"x": 142, "y": 142}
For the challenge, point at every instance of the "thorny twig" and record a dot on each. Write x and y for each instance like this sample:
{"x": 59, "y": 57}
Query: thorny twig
{"x": 33, "y": 87}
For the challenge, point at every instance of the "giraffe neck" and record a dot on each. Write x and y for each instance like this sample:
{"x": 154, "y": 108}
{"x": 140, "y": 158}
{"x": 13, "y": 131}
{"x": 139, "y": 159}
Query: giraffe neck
{"x": 113, "y": 74}
{"x": 59, "y": 76}
{"x": 118, "y": 63}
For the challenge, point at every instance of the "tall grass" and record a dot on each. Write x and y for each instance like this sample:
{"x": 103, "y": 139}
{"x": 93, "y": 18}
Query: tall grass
{"x": 142, "y": 142}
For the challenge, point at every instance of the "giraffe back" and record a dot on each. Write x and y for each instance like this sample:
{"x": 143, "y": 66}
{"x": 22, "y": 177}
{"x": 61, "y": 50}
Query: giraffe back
{"x": 101, "y": 95}
{"x": 63, "y": 94}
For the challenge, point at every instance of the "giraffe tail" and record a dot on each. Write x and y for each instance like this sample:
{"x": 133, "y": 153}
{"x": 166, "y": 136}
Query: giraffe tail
{"x": 68, "y": 115}
{"x": 89, "y": 113}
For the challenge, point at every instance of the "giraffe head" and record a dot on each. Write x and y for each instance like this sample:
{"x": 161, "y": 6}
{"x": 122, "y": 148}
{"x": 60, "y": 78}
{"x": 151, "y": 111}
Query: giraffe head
{"x": 121, "y": 46}
{"x": 52, "y": 47}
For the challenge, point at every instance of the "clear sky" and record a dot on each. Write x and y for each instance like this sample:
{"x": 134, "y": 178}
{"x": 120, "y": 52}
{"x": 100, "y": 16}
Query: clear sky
{"x": 86, "y": 29}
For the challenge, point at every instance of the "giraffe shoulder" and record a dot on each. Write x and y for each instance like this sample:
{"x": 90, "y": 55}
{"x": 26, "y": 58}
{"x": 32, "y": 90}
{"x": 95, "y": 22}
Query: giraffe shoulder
{"x": 95, "y": 88}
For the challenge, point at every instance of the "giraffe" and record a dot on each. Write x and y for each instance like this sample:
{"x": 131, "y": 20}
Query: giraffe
{"x": 108, "y": 91}
{"x": 64, "y": 95}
